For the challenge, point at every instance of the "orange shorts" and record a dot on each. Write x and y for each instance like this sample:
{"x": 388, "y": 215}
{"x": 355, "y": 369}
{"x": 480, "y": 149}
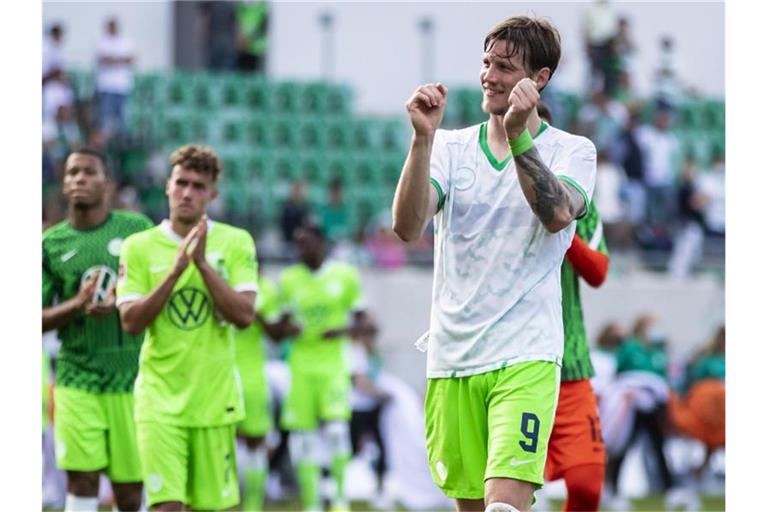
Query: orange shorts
{"x": 701, "y": 413}
{"x": 576, "y": 438}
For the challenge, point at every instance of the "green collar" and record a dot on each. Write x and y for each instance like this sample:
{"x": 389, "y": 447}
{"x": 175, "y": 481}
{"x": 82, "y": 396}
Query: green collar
{"x": 499, "y": 166}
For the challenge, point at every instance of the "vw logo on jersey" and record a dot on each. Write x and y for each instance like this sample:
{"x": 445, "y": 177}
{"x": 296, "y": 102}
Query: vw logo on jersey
{"x": 106, "y": 281}
{"x": 464, "y": 178}
{"x": 188, "y": 308}
{"x": 114, "y": 246}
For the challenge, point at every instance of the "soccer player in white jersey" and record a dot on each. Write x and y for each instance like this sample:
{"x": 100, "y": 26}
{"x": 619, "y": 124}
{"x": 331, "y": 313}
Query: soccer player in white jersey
{"x": 505, "y": 194}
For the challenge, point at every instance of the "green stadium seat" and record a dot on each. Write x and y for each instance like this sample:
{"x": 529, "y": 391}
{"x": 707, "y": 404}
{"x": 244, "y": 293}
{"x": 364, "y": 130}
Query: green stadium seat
{"x": 339, "y": 167}
{"x": 257, "y": 95}
{"x": 283, "y": 132}
{"x": 286, "y": 166}
{"x": 147, "y": 89}
{"x": 286, "y": 97}
{"x": 312, "y": 133}
{"x": 338, "y": 100}
{"x": 260, "y": 166}
{"x": 178, "y": 93}
{"x": 714, "y": 114}
{"x": 339, "y": 133}
{"x": 314, "y": 98}
{"x": 258, "y": 132}
{"x": 391, "y": 166}
{"x": 393, "y": 136}
{"x": 231, "y": 93}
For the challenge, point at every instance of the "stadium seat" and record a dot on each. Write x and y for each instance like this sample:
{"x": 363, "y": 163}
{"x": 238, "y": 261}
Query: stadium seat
{"x": 338, "y": 100}
{"x": 256, "y": 95}
{"x": 312, "y": 133}
{"x": 286, "y": 97}
{"x": 339, "y": 133}
{"x": 313, "y": 169}
{"x": 391, "y": 166}
{"x": 284, "y": 132}
{"x": 285, "y": 166}
{"x": 258, "y": 132}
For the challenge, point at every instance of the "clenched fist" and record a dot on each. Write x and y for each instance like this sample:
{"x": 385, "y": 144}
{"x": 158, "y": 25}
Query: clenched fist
{"x": 426, "y": 106}
{"x": 522, "y": 100}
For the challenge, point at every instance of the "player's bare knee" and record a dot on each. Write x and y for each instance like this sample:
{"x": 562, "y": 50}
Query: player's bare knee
{"x": 83, "y": 483}
{"x": 508, "y": 491}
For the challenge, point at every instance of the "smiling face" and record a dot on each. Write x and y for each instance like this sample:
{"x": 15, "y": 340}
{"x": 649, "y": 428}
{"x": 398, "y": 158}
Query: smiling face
{"x": 189, "y": 194}
{"x": 514, "y": 49}
{"x": 499, "y": 74}
{"x": 85, "y": 180}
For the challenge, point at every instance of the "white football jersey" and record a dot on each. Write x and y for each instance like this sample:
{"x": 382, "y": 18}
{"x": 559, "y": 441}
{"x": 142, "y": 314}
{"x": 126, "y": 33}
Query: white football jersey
{"x": 496, "y": 299}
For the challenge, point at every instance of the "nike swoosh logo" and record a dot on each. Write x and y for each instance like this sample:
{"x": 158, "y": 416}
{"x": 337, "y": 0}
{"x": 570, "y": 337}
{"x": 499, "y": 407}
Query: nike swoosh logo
{"x": 68, "y": 255}
{"x": 519, "y": 462}
{"x": 158, "y": 268}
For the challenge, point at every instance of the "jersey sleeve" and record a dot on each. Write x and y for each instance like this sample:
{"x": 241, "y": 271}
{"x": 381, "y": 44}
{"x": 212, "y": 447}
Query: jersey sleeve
{"x": 51, "y": 285}
{"x": 590, "y": 229}
{"x": 578, "y": 168}
{"x": 439, "y": 166}
{"x": 242, "y": 266}
{"x": 132, "y": 279}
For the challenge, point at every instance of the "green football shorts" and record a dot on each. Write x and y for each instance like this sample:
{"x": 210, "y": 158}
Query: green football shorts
{"x": 96, "y": 432}
{"x": 315, "y": 397}
{"x": 258, "y": 414}
{"x": 194, "y": 466}
{"x": 492, "y": 425}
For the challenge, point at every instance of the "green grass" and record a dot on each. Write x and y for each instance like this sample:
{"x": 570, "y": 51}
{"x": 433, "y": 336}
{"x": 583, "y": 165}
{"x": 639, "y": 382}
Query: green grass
{"x": 656, "y": 503}
{"x": 648, "y": 504}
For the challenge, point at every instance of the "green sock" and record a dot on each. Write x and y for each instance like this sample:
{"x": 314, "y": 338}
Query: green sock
{"x": 338, "y": 465}
{"x": 309, "y": 477}
{"x": 255, "y": 481}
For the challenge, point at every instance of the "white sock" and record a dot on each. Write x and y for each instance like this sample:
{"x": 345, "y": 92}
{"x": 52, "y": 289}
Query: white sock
{"x": 500, "y": 507}
{"x": 256, "y": 459}
{"x": 81, "y": 503}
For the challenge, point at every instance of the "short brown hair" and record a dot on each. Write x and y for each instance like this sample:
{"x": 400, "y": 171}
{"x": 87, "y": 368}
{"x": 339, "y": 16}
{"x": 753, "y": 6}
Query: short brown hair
{"x": 198, "y": 158}
{"x": 536, "y": 39}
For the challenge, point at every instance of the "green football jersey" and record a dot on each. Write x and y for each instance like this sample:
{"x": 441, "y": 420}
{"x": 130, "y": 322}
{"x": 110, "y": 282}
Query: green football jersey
{"x": 96, "y": 354}
{"x": 634, "y": 355}
{"x": 576, "y": 362}
{"x": 249, "y": 342}
{"x": 320, "y": 301}
{"x": 187, "y": 373}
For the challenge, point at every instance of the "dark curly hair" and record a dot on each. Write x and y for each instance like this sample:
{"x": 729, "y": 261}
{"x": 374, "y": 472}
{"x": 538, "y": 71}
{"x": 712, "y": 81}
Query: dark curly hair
{"x": 198, "y": 158}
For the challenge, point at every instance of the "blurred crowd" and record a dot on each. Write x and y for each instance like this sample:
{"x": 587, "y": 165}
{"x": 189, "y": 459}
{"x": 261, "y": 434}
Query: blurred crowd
{"x": 662, "y": 203}
{"x": 655, "y": 189}
{"x": 672, "y": 409}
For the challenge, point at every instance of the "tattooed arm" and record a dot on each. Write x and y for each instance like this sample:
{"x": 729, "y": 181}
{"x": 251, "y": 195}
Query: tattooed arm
{"x": 555, "y": 202}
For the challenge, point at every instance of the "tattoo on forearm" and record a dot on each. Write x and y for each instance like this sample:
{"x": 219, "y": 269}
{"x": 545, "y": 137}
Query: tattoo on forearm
{"x": 549, "y": 192}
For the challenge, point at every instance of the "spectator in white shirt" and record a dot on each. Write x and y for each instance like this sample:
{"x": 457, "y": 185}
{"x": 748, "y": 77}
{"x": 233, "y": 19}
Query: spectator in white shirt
{"x": 57, "y": 90}
{"x": 662, "y": 160}
{"x": 114, "y": 78}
